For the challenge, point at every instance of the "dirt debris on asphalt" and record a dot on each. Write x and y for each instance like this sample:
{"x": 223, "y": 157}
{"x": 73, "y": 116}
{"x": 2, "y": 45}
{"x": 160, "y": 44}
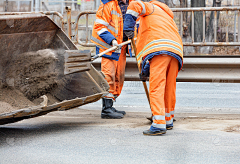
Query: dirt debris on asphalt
{"x": 186, "y": 121}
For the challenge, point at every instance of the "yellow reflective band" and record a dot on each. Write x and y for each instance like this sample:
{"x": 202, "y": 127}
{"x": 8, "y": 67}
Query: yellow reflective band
{"x": 160, "y": 46}
{"x": 170, "y": 121}
{"x": 163, "y": 126}
{"x": 144, "y": 8}
{"x": 158, "y": 117}
{"x": 115, "y": 13}
{"x": 102, "y": 31}
{"x": 133, "y": 13}
{"x": 101, "y": 22}
{"x": 101, "y": 43}
{"x": 113, "y": 29}
{"x": 159, "y": 41}
{"x": 169, "y": 114}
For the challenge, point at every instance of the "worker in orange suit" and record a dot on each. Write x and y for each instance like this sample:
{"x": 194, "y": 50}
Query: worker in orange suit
{"x": 108, "y": 32}
{"x": 160, "y": 55}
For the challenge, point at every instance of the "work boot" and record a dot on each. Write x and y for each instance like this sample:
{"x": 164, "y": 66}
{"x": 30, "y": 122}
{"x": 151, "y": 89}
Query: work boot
{"x": 169, "y": 126}
{"x": 122, "y": 112}
{"x": 151, "y": 133}
{"x": 154, "y": 131}
{"x": 108, "y": 111}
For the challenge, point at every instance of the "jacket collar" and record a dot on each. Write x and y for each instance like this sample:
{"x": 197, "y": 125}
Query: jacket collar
{"x": 106, "y": 1}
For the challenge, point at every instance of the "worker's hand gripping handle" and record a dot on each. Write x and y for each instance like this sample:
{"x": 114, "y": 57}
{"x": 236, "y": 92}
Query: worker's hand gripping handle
{"x": 110, "y": 49}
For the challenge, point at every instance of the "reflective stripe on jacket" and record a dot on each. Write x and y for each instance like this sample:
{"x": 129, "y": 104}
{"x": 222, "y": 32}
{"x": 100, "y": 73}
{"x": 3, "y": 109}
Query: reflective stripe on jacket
{"x": 157, "y": 31}
{"x": 108, "y": 26}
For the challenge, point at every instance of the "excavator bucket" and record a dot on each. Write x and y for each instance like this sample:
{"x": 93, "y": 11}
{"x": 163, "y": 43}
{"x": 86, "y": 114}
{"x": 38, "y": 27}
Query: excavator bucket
{"x": 36, "y": 59}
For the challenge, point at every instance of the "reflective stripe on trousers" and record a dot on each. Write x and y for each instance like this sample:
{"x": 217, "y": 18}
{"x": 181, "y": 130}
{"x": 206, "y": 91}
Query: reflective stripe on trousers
{"x": 162, "y": 90}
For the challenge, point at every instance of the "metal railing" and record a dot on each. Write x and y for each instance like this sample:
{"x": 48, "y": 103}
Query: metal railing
{"x": 216, "y": 69}
{"x": 76, "y": 28}
{"x": 215, "y": 9}
{"x": 181, "y": 10}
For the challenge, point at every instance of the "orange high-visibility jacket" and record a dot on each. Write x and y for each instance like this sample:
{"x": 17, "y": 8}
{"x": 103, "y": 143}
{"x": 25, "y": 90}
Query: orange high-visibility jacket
{"x": 157, "y": 30}
{"x": 108, "y": 26}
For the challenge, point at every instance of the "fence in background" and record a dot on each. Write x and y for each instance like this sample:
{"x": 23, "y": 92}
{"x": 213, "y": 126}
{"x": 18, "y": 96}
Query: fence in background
{"x": 181, "y": 10}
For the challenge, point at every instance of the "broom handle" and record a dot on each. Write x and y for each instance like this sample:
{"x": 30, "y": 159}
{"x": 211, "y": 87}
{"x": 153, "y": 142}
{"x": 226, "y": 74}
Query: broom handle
{"x": 139, "y": 69}
{"x": 110, "y": 49}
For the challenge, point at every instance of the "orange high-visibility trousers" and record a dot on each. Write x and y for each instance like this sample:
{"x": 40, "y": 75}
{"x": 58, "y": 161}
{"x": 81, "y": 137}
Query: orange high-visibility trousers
{"x": 114, "y": 72}
{"x": 162, "y": 89}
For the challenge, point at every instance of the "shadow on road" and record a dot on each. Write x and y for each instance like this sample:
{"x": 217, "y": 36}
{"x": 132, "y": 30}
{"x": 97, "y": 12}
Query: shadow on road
{"x": 12, "y": 134}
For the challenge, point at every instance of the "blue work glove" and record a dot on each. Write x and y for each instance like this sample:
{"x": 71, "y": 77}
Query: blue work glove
{"x": 145, "y": 73}
{"x": 129, "y": 34}
{"x": 142, "y": 77}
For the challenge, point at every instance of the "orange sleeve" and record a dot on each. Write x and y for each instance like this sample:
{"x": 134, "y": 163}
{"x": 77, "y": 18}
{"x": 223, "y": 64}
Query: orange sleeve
{"x": 140, "y": 8}
{"x": 103, "y": 17}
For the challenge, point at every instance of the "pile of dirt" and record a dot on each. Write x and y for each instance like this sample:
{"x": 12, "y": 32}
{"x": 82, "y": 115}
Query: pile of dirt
{"x": 5, "y": 107}
{"x": 12, "y": 99}
{"x": 33, "y": 73}
{"x": 27, "y": 77}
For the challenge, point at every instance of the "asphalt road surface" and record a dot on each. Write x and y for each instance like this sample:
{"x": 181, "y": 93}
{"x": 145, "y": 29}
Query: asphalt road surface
{"x": 207, "y": 130}
{"x": 191, "y": 97}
